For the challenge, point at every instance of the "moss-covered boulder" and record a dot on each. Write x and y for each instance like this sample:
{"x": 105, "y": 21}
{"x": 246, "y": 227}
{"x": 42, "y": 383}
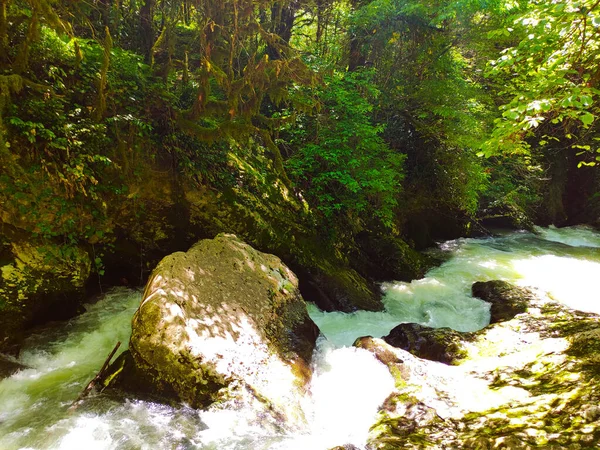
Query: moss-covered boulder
{"x": 528, "y": 382}
{"x": 384, "y": 257}
{"x": 223, "y": 323}
{"x": 436, "y": 344}
{"x": 506, "y": 300}
{"x": 500, "y": 214}
{"x": 333, "y": 286}
{"x": 38, "y": 282}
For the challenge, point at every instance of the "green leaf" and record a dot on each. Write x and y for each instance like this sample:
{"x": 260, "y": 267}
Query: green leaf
{"x": 512, "y": 115}
{"x": 587, "y": 118}
{"x": 586, "y": 100}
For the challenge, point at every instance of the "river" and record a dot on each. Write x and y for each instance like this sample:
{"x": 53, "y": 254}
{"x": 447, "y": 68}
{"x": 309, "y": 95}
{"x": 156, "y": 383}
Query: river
{"x": 348, "y": 385}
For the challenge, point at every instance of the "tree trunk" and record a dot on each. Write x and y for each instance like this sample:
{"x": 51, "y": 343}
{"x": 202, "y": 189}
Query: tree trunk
{"x": 357, "y": 57}
{"x": 283, "y": 15}
{"x": 3, "y": 31}
{"x": 147, "y": 29}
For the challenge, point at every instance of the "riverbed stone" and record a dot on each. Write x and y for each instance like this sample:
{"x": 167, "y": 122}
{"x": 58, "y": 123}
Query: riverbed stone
{"x": 506, "y": 300}
{"x": 436, "y": 344}
{"x": 527, "y": 382}
{"x": 224, "y": 324}
{"x": 335, "y": 287}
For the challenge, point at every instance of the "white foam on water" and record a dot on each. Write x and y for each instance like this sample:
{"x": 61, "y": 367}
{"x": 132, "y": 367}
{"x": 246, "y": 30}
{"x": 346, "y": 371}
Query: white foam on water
{"x": 571, "y": 281}
{"x": 61, "y": 362}
{"x": 349, "y": 385}
{"x": 579, "y": 236}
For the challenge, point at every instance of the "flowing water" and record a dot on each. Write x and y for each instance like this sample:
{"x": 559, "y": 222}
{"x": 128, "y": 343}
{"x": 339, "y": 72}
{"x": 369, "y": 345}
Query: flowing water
{"x": 348, "y": 385}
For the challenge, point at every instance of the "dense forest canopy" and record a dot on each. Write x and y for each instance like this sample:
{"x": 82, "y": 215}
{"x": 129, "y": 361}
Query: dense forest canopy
{"x": 383, "y": 114}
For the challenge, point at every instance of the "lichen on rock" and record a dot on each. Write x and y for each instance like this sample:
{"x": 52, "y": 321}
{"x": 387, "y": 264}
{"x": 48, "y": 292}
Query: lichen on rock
{"x": 223, "y": 324}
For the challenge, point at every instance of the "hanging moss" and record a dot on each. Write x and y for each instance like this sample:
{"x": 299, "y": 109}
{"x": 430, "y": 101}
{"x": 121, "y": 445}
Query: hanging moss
{"x": 103, "y": 80}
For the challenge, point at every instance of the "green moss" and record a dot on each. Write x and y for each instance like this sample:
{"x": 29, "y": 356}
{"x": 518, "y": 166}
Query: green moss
{"x": 40, "y": 280}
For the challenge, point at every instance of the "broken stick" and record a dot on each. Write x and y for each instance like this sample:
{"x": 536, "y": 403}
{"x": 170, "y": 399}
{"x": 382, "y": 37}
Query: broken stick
{"x": 94, "y": 382}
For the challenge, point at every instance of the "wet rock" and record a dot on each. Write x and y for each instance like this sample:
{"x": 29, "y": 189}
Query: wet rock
{"x": 436, "y": 344}
{"x": 526, "y": 382}
{"x": 505, "y": 215}
{"x": 383, "y": 354}
{"x": 386, "y": 257}
{"x": 9, "y": 366}
{"x": 336, "y": 287}
{"x": 506, "y": 299}
{"x": 222, "y": 324}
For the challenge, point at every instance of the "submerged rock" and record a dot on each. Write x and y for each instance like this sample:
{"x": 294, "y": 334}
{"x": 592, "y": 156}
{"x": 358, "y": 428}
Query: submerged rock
{"x": 527, "y": 382}
{"x": 506, "y": 299}
{"x": 225, "y": 324}
{"x": 436, "y": 344}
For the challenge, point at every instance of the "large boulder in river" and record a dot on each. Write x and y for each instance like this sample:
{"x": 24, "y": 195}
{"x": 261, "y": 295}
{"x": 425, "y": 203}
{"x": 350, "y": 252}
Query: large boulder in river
{"x": 221, "y": 323}
{"x": 506, "y": 300}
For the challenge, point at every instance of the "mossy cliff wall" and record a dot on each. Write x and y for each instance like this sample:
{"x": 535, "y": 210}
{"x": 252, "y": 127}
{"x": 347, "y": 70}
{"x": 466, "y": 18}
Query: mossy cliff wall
{"x": 39, "y": 281}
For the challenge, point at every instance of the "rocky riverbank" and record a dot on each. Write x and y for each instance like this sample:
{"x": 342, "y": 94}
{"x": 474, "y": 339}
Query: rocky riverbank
{"x": 530, "y": 381}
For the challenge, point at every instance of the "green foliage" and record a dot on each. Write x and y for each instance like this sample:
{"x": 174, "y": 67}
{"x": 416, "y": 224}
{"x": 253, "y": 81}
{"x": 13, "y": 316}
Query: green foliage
{"x": 197, "y": 90}
{"x": 59, "y": 155}
{"x": 88, "y": 117}
{"x": 550, "y": 79}
{"x": 460, "y": 180}
{"x": 515, "y": 183}
{"x": 425, "y": 68}
{"x": 343, "y": 165}
{"x": 201, "y": 161}
{"x": 433, "y": 95}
